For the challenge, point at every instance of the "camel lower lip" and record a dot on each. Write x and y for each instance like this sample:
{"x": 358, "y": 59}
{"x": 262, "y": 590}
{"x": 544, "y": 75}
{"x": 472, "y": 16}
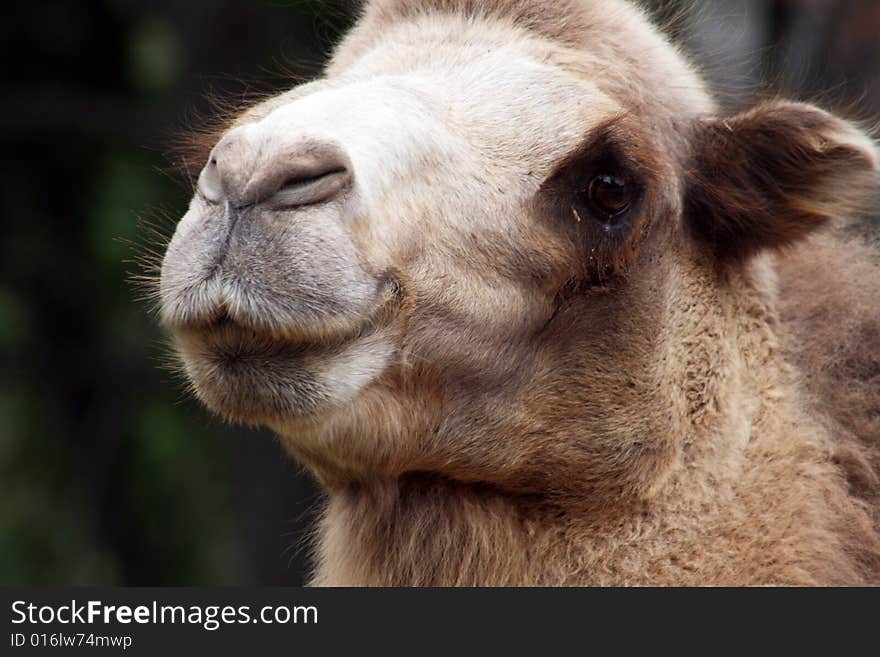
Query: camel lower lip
{"x": 251, "y": 375}
{"x": 231, "y": 343}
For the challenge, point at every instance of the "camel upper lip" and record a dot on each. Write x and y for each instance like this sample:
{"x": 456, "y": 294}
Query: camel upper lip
{"x": 224, "y": 324}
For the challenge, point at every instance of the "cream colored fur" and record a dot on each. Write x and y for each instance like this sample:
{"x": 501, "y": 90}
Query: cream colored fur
{"x": 490, "y": 393}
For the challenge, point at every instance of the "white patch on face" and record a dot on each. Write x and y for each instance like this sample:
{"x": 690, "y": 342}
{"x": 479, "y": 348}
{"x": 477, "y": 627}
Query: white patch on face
{"x": 381, "y": 124}
{"x": 349, "y": 372}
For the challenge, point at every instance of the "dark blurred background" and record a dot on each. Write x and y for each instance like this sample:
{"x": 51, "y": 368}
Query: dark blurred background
{"x": 109, "y": 472}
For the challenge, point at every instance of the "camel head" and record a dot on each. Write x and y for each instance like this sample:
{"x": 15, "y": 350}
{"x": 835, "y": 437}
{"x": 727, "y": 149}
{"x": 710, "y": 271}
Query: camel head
{"x": 486, "y": 243}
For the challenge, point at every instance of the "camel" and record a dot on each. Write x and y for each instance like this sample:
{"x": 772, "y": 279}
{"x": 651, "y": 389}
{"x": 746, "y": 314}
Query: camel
{"x": 534, "y": 311}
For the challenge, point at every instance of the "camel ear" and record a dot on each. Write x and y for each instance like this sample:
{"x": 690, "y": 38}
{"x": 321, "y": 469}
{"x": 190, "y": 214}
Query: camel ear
{"x": 769, "y": 176}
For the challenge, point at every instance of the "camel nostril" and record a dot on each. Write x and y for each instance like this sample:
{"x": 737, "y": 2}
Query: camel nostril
{"x": 246, "y": 167}
{"x": 310, "y": 186}
{"x": 303, "y": 180}
{"x": 210, "y": 184}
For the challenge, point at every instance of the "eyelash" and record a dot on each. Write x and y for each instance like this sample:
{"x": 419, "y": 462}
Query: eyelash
{"x": 606, "y": 237}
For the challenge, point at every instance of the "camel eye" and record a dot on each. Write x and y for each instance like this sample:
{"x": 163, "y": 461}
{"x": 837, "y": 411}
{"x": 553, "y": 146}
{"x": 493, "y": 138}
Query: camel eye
{"x": 610, "y": 195}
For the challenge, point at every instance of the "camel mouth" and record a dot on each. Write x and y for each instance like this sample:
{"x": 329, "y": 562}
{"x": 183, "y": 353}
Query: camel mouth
{"x": 225, "y": 325}
{"x": 233, "y": 339}
{"x": 254, "y": 375}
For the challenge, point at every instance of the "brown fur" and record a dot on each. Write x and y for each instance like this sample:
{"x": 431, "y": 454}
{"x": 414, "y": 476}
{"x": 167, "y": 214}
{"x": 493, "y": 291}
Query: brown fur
{"x": 829, "y": 309}
{"x": 689, "y": 395}
{"x": 767, "y": 177}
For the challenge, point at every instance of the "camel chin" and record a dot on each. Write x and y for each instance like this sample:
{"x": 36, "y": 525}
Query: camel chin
{"x": 251, "y": 378}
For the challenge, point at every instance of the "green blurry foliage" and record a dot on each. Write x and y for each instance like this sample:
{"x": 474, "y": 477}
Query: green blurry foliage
{"x": 154, "y": 57}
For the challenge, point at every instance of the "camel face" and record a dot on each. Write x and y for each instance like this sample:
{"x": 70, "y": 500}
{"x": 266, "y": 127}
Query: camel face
{"x": 310, "y": 218}
{"x": 326, "y": 221}
{"x": 464, "y": 251}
